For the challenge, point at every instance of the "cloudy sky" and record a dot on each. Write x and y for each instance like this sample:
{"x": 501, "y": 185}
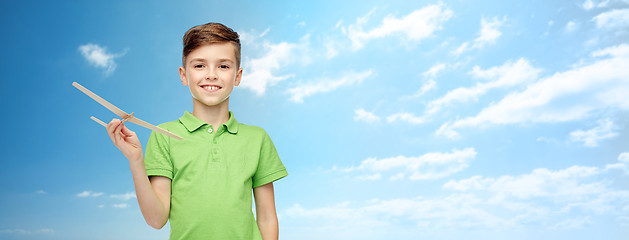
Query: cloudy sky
{"x": 395, "y": 119}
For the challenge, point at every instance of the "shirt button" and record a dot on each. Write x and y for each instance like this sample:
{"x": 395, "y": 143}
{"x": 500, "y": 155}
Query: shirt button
{"x": 210, "y": 130}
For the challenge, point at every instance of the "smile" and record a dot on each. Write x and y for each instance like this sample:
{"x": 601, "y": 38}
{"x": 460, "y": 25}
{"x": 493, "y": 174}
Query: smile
{"x": 211, "y": 88}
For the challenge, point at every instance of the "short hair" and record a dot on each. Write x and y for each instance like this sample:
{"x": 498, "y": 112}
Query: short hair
{"x": 207, "y": 34}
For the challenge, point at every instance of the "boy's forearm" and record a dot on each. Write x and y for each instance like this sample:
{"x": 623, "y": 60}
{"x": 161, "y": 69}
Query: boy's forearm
{"x": 269, "y": 228}
{"x": 266, "y": 216}
{"x": 150, "y": 204}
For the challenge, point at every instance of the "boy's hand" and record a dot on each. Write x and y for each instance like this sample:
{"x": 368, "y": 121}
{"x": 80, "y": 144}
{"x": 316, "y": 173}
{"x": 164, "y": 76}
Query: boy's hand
{"x": 125, "y": 140}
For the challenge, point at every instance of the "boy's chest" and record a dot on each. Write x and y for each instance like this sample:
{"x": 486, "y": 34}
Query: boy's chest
{"x": 220, "y": 158}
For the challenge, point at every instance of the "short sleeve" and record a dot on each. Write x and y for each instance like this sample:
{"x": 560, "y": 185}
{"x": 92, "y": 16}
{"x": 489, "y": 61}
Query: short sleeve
{"x": 157, "y": 158}
{"x": 270, "y": 167}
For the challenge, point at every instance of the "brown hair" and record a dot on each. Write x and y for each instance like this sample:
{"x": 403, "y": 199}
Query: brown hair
{"x": 207, "y": 34}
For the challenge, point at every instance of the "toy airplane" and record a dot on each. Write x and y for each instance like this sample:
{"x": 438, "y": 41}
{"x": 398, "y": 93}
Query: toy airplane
{"x": 121, "y": 113}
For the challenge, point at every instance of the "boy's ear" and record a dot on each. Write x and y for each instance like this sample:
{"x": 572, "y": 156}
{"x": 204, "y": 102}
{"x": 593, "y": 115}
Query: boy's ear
{"x": 182, "y": 75}
{"x": 238, "y": 77}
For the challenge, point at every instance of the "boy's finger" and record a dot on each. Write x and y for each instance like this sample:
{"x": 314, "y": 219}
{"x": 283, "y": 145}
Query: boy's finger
{"x": 111, "y": 127}
{"x": 127, "y": 132}
{"x": 117, "y": 134}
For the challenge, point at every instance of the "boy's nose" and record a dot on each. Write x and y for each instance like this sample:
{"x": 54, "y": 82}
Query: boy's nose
{"x": 211, "y": 75}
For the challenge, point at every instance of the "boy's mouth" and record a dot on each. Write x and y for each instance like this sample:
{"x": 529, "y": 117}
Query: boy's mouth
{"x": 211, "y": 88}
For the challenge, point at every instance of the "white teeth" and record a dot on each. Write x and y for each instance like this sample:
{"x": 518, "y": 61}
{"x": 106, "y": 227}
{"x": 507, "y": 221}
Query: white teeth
{"x": 211, "y": 87}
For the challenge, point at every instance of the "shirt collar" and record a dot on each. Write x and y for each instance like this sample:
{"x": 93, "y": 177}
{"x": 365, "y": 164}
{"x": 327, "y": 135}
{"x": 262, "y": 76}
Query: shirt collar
{"x": 231, "y": 124}
{"x": 192, "y": 123}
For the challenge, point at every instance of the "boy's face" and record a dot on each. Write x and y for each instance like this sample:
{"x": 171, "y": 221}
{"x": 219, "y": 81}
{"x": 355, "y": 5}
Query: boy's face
{"x": 211, "y": 73}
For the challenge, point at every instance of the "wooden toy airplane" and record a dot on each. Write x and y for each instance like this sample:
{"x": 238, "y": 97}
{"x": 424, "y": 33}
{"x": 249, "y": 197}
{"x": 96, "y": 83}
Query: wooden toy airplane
{"x": 121, "y": 113}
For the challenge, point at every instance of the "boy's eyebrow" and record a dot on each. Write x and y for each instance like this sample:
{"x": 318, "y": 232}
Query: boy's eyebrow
{"x": 219, "y": 60}
{"x": 225, "y": 60}
{"x": 197, "y": 59}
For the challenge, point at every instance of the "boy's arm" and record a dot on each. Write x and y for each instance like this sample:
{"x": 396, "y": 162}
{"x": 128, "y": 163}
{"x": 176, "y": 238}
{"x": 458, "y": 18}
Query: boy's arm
{"x": 265, "y": 211}
{"x": 154, "y": 194}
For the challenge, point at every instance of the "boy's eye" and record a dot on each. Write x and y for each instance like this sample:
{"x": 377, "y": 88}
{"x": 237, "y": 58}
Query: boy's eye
{"x": 224, "y": 66}
{"x": 198, "y": 66}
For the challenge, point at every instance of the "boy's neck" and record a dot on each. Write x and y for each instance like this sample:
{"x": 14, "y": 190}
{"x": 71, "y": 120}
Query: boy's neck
{"x": 213, "y": 115}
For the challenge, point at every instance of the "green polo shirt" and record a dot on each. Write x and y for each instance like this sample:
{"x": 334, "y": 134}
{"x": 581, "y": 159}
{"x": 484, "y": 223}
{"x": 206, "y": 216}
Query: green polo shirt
{"x": 213, "y": 174}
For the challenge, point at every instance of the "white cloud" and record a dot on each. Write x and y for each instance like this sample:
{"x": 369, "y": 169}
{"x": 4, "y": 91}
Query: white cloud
{"x": 590, "y": 138}
{"x": 462, "y": 48}
{"x": 541, "y": 182}
{"x": 263, "y": 72}
{"x": 564, "y": 199}
{"x": 446, "y": 130}
{"x": 362, "y": 115}
{"x": 564, "y": 96}
{"x": 617, "y": 18}
{"x": 265, "y": 32}
{"x": 338, "y": 24}
{"x": 124, "y": 196}
{"x": 575, "y": 183}
{"x": 417, "y": 25}
{"x": 258, "y": 73}
{"x": 432, "y": 72}
{"x": 427, "y": 86}
{"x": 591, "y": 4}
{"x": 407, "y": 117}
{"x": 350, "y": 220}
{"x": 624, "y": 157}
{"x": 323, "y": 85}
{"x": 41, "y": 192}
{"x": 99, "y": 57}
{"x": 488, "y": 34}
{"x": 574, "y": 190}
{"x": 571, "y": 26}
{"x": 251, "y": 37}
{"x": 19, "y": 231}
{"x": 623, "y": 163}
{"x": 89, "y": 194}
{"x": 120, "y": 205}
{"x": 508, "y": 75}
{"x": 614, "y": 51}
{"x": 461, "y": 94}
{"x": 428, "y": 166}
{"x": 331, "y": 49}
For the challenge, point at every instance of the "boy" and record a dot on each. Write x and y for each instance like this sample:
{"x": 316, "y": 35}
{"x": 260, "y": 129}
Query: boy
{"x": 203, "y": 183}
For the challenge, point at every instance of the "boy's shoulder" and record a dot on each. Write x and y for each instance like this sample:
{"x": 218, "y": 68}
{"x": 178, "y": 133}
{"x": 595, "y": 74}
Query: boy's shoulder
{"x": 170, "y": 126}
{"x": 178, "y": 126}
{"x": 250, "y": 128}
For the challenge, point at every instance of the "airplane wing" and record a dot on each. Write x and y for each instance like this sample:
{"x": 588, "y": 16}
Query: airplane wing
{"x": 155, "y": 128}
{"x": 100, "y": 100}
{"x": 121, "y": 113}
{"x": 99, "y": 121}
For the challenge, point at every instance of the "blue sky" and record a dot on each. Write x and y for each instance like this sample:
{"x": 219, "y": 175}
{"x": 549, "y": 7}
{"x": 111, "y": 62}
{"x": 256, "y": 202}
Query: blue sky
{"x": 395, "y": 119}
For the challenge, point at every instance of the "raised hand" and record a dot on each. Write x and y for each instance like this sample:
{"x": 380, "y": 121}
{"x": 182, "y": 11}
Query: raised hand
{"x": 125, "y": 140}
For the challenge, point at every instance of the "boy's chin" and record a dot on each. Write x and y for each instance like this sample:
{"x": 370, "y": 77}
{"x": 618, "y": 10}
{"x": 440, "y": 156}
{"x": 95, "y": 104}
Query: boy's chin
{"x": 211, "y": 102}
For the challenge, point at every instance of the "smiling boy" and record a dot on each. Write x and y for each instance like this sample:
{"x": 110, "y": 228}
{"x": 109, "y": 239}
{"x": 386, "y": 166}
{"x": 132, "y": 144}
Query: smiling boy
{"x": 203, "y": 183}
